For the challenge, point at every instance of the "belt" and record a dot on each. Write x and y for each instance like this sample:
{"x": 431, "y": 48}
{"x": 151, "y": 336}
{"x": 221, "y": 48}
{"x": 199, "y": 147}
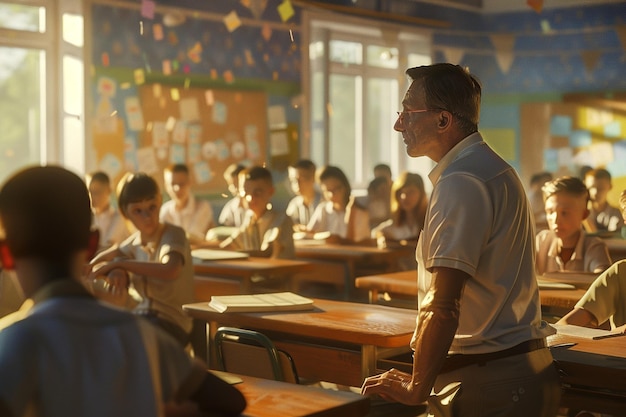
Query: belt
{"x": 454, "y": 362}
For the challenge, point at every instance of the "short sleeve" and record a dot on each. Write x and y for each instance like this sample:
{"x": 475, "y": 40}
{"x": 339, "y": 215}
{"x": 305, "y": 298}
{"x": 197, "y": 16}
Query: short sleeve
{"x": 459, "y": 223}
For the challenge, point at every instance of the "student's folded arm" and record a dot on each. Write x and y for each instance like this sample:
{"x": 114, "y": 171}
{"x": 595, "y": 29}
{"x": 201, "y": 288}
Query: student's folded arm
{"x": 168, "y": 269}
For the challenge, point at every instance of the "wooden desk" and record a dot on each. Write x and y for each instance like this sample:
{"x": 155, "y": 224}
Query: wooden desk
{"x": 350, "y": 256}
{"x": 402, "y": 283}
{"x": 245, "y": 269}
{"x": 267, "y": 398}
{"x": 337, "y": 342}
{"x": 593, "y": 371}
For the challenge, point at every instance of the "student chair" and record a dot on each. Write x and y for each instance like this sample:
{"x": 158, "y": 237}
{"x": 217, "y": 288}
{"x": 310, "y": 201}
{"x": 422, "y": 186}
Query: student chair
{"x": 247, "y": 352}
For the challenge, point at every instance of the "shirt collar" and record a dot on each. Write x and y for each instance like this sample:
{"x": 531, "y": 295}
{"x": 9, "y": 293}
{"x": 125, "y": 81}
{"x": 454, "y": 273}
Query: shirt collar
{"x": 64, "y": 287}
{"x": 452, "y": 154}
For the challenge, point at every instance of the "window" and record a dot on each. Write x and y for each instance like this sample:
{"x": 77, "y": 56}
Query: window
{"x": 41, "y": 120}
{"x": 355, "y": 80}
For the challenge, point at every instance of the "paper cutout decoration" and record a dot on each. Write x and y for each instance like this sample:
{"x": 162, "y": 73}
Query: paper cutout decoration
{"x": 189, "y": 109}
{"x": 195, "y": 52}
{"x": 209, "y": 98}
{"x": 157, "y": 31}
{"x": 105, "y": 59}
{"x": 279, "y": 143}
{"x": 134, "y": 115}
{"x": 220, "y": 112}
{"x": 209, "y": 150}
{"x": 545, "y": 26}
{"x": 194, "y": 152}
{"x": 110, "y": 164}
{"x": 179, "y": 134}
{"x": 266, "y": 32}
{"x": 551, "y": 160}
{"x": 276, "y": 117}
{"x": 285, "y": 10}
{"x": 147, "y": 161}
{"x": 147, "y": 9}
{"x": 175, "y": 94}
{"x": 601, "y": 153}
{"x": 618, "y": 168}
{"x": 140, "y": 76}
{"x": 194, "y": 133}
{"x": 170, "y": 123}
{"x": 613, "y": 129}
{"x": 580, "y": 138}
{"x": 231, "y": 21}
{"x": 536, "y": 5}
{"x": 561, "y": 126}
{"x": 161, "y": 153}
{"x": 167, "y": 67}
{"x": 130, "y": 154}
{"x": 257, "y": 7}
{"x": 238, "y": 150}
{"x": 502, "y": 141}
{"x": 160, "y": 137}
{"x": 222, "y": 149}
{"x": 177, "y": 153}
{"x": 202, "y": 172}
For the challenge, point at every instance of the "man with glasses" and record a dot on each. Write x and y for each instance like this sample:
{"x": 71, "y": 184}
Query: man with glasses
{"x": 479, "y": 344}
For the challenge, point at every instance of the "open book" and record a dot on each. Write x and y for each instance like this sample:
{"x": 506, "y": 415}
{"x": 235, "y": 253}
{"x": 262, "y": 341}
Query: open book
{"x": 282, "y": 301}
{"x": 586, "y": 332}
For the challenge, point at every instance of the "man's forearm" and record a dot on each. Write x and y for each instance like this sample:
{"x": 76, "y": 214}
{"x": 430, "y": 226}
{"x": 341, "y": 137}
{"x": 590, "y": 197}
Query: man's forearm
{"x": 436, "y": 331}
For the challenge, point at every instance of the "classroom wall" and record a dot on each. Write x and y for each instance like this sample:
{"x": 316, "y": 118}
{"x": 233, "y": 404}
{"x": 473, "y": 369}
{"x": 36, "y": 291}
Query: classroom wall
{"x": 522, "y": 58}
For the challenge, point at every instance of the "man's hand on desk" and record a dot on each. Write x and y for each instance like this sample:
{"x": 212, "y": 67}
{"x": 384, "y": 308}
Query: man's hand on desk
{"x": 393, "y": 385}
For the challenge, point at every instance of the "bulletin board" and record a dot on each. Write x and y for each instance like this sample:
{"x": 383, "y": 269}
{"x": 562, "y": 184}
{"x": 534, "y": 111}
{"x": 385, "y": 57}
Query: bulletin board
{"x": 207, "y": 129}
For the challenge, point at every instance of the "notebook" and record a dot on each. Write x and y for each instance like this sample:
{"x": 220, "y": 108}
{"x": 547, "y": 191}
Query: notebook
{"x": 282, "y": 301}
{"x": 585, "y": 332}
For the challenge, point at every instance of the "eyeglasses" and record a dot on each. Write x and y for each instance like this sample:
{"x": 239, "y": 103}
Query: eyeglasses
{"x": 402, "y": 113}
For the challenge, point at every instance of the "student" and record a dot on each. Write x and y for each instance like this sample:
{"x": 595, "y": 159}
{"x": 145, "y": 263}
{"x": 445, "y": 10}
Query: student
{"x": 603, "y": 217}
{"x": 535, "y": 196}
{"x": 302, "y": 206}
{"x": 233, "y": 212}
{"x": 264, "y": 232}
{"x": 378, "y": 200}
{"x": 339, "y": 215}
{"x": 154, "y": 263}
{"x": 479, "y": 343}
{"x": 408, "y": 209}
{"x": 384, "y": 171}
{"x": 69, "y": 355}
{"x": 606, "y": 297}
{"x": 107, "y": 219}
{"x": 565, "y": 246}
{"x": 184, "y": 210}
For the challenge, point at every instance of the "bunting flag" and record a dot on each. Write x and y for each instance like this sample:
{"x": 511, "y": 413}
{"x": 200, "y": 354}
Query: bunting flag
{"x": 590, "y": 60}
{"x": 536, "y": 5}
{"x": 620, "y": 30}
{"x": 505, "y": 60}
{"x": 453, "y": 55}
{"x": 503, "y": 43}
{"x": 257, "y": 7}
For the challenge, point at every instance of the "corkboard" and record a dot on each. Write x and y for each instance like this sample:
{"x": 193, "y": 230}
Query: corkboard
{"x": 207, "y": 129}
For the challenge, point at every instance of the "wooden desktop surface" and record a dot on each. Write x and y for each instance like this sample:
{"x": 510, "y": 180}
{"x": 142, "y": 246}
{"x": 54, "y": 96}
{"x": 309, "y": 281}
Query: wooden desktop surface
{"x": 245, "y": 269}
{"x": 337, "y": 341}
{"x": 268, "y": 398}
{"x": 352, "y": 256}
{"x": 593, "y": 372}
{"x": 405, "y": 283}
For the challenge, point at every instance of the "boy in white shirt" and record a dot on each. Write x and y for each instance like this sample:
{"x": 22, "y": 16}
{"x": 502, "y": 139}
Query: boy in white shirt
{"x": 184, "y": 210}
{"x": 264, "y": 232}
{"x": 106, "y": 218}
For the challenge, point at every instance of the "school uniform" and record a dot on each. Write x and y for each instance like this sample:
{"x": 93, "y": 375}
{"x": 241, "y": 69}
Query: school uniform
{"x": 196, "y": 217}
